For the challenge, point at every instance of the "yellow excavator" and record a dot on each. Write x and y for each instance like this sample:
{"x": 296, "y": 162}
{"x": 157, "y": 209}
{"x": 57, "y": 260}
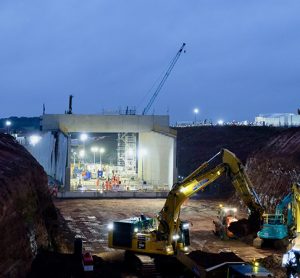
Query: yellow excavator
{"x": 291, "y": 259}
{"x": 167, "y": 234}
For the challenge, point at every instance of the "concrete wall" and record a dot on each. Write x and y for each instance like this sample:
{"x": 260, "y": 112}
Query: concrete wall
{"x": 159, "y": 161}
{"x": 103, "y": 123}
{"x": 51, "y": 153}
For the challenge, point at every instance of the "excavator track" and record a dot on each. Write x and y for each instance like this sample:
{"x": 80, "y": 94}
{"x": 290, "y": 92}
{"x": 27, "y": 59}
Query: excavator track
{"x": 147, "y": 267}
{"x": 143, "y": 265}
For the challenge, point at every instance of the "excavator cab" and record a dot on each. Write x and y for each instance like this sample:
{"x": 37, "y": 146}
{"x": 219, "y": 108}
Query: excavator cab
{"x": 275, "y": 230}
{"x": 184, "y": 236}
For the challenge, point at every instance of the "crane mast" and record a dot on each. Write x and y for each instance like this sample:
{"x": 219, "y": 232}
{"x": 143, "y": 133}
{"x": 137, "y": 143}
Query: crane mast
{"x": 162, "y": 82}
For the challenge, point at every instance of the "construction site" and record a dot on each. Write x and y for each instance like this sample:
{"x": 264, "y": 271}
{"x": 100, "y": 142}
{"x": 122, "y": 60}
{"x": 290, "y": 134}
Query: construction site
{"x": 195, "y": 177}
{"x": 127, "y": 195}
{"x": 232, "y": 209}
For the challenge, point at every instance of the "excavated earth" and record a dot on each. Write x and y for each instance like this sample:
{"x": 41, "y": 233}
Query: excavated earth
{"x": 89, "y": 220}
{"x": 274, "y": 167}
{"x": 28, "y": 219}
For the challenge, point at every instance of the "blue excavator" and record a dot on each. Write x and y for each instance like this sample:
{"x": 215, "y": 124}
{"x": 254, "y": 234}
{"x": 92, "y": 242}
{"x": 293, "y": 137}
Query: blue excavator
{"x": 280, "y": 228}
{"x": 276, "y": 227}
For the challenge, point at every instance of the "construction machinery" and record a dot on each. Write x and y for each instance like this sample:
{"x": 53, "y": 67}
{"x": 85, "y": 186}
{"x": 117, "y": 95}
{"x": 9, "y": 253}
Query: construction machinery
{"x": 226, "y": 216}
{"x": 167, "y": 234}
{"x": 291, "y": 259}
{"x": 278, "y": 228}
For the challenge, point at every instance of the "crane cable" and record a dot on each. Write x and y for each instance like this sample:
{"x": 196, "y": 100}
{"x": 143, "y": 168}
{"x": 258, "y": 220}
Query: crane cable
{"x": 162, "y": 82}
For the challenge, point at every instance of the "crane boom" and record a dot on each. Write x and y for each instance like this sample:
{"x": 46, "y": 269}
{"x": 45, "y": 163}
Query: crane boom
{"x": 162, "y": 82}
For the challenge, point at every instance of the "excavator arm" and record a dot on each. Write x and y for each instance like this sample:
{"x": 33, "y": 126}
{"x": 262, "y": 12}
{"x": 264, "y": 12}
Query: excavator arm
{"x": 166, "y": 234}
{"x": 169, "y": 215}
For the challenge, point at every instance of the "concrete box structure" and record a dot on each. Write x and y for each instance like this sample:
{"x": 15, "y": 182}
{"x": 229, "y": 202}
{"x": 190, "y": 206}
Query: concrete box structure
{"x": 158, "y": 165}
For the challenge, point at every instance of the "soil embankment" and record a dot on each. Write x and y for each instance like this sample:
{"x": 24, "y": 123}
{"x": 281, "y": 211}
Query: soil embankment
{"x": 28, "y": 218}
{"x": 198, "y": 144}
{"x": 275, "y": 166}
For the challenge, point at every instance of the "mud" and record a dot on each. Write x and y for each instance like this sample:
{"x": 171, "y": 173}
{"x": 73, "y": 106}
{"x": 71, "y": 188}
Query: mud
{"x": 89, "y": 219}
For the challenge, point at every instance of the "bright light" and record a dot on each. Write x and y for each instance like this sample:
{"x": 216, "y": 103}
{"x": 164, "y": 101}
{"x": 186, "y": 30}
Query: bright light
{"x": 101, "y": 150}
{"x": 143, "y": 152}
{"x": 81, "y": 153}
{"x": 136, "y": 230}
{"x": 169, "y": 249}
{"x": 8, "y": 123}
{"x": 185, "y": 226}
{"x": 182, "y": 189}
{"x": 110, "y": 226}
{"x": 130, "y": 152}
{"x": 256, "y": 263}
{"x": 285, "y": 260}
{"x": 196, "y": 110}
{"x": 230, "y": 209}
{"x": 83, "y": 137}
{"x": 34, "y": 139}
{"x": 185, "y": 249}
{"x": 220, "y": 122}
{"x": 94, "y": 149}
{"x": 175, "y": 237}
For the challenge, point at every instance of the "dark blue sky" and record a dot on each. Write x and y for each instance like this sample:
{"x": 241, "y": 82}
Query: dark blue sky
{"x": 243, "y": 57}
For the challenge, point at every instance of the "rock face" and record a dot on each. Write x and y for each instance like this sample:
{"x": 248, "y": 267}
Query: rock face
{"x": 274, "y": 167}
{"x": 26, "y": 209}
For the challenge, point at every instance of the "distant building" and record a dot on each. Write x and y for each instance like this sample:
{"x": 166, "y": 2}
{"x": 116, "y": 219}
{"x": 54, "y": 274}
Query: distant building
{"x": 278, "y": 119}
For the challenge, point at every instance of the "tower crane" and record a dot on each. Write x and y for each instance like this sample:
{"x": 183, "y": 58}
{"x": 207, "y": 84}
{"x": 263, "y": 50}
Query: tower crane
{"x": 162, "y": 82}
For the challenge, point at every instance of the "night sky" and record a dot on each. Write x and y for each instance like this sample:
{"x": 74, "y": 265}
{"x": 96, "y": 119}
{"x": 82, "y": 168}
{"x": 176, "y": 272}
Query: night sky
{"x": 242, "y": 57}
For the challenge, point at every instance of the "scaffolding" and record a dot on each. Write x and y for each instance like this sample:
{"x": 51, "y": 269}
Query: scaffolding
{"x": 126, "y": 152}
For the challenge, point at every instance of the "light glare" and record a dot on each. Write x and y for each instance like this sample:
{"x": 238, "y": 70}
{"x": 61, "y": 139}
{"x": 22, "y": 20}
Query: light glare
{"x": 175, "y": 237}
{"x": 83, "y": 137}
{"x": 185, "y": 226}
{"x": 142, "y": 152}
{"x": 81, "y": 153}
{"x": 94, "y": 149}
{"x": 34, "y": 139}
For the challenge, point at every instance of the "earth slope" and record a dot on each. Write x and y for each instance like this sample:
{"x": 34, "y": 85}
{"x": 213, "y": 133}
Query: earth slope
{"x": 27, "y": 213}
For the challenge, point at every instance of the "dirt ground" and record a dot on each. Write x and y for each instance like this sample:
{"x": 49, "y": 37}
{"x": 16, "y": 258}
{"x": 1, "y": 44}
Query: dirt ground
{"x": 89, "y": 218}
